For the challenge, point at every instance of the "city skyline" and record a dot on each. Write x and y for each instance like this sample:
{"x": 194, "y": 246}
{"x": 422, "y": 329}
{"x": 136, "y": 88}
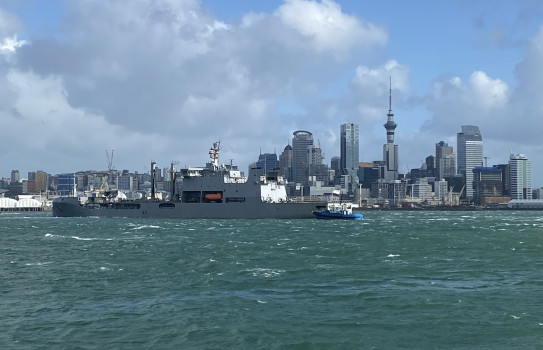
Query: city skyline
{"x": 160, "y": 81}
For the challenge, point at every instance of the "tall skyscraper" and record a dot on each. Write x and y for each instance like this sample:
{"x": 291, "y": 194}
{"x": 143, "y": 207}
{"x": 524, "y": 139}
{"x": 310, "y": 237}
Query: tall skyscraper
{"x": 520, "y": 169}
{"x": 349, "y": 134}
{"x": 445, "y": 160}
{"x": 335, "y": 164}
{"x": 15, "y": 176}
{"x": 470, "y": 154}
{"x": 390, "y": 150}
{"x": 41, "y": 180}
{"x": 285, "y": 163}
{"x": 314, "y": 155}
{"x": 267, "y": 162}
{"x": 300, "y": 165}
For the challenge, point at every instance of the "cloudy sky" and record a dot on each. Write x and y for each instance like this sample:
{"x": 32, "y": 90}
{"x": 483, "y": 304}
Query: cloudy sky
{"x": 163, "y": 79}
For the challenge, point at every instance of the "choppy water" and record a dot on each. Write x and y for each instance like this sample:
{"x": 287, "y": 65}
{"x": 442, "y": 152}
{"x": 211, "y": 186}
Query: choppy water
{"x": 420, "y": 280}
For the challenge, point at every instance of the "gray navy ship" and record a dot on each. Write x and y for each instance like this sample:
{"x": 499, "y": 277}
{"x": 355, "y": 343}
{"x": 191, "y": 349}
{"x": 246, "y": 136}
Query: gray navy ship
{"x": 213, "y": 191}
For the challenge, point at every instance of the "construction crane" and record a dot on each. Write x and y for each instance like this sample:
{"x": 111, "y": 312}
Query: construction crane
{"x": 110, "y": 160}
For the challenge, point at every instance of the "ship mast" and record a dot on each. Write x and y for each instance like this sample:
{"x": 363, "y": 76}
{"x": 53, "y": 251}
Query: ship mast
{"x": 214, "y": 154}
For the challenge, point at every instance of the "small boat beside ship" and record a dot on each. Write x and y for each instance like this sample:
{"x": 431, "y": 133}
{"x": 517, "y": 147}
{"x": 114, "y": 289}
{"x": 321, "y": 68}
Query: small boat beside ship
{"x": 213, "y": 191}
{"x": 342, "y": 211}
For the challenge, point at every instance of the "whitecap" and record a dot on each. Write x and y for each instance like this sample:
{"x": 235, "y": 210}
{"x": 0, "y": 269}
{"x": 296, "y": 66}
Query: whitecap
{"x": 392, "y": 255}
{"x": 82, "y": 239}
{"x": 38, "y": 263}
{"x": 145, "y": 226}
{"x": 265, "y": 272}
{"x": 91, "y": 238}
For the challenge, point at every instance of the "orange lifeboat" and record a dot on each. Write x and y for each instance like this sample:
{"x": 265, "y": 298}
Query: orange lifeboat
{"x": 213, "y": 196}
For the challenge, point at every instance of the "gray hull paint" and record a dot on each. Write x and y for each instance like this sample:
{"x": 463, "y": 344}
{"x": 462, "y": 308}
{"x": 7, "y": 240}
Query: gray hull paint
{"x": 251, "y": 209}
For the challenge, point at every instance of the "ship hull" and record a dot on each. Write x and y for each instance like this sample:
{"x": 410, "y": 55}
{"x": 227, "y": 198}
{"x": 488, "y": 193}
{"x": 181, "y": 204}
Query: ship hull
{"x": 250, "y": 209}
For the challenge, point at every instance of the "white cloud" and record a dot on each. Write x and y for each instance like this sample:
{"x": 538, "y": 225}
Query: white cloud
{"x": 11, "y": 44}
{"x": 380, "y": 78}
{"x": 328, "y": 28}
{"x": 38, "y": 121}
{"x": 488, "y": 93}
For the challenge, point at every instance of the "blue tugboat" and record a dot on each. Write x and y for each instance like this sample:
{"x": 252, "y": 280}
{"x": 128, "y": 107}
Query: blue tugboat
{"x": 342, "y": 211}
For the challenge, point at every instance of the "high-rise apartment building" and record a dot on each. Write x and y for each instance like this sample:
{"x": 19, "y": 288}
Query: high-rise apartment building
{"x": 349, "y": 144}
{"x": 390, "y": 150}
{"x": 520, "y": 169}
{"x": 300, "y": 163}
{"x": 470, "y": 154}
{"x": 445, "y": 160}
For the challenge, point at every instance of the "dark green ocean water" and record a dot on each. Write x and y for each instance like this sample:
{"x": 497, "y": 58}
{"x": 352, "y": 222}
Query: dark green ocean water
{"x": 414, "y": 280}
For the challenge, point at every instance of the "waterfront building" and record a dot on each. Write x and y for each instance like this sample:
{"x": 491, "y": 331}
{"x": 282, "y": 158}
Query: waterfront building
{"x": 441, "y": 190}
{"x": 421, "y": 189}
{"x": 66, "y": 183}
{"x": 300, "y": 143}
{"x": 506, "y": 187}
{"x": 390, "y": 150}
{"x": 470, "y": 155}
{"x": 349, "y": 144}
{"x": 520, "y": 169}
{"x": 487, "y": 182}
{"x": 391, "y": 193}
{"x": 445, "y": 160}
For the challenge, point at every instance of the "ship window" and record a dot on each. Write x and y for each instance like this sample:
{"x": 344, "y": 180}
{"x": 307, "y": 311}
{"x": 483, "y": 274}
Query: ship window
{"x": 127, "y": 206}
{"x": 235, "y": 200}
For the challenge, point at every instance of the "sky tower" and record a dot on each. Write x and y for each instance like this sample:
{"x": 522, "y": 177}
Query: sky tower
{"x": 390, "y": 150}
{"x": 390, "y": 126}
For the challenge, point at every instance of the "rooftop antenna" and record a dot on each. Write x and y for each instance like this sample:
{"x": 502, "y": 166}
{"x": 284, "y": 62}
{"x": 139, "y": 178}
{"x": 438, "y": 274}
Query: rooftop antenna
{"x": 390, "y": 95}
